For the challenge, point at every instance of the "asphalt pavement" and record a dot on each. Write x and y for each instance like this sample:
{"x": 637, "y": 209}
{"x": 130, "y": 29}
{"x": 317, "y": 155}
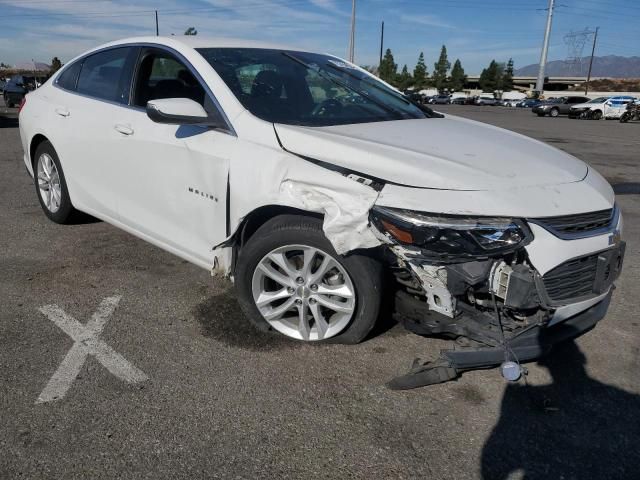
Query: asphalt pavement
{"x": 215, "y": 399}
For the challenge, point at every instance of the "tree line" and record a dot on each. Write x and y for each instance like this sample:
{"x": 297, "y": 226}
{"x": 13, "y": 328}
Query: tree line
{"x": 497, "y": 76}
{"x": 444, "y": 77}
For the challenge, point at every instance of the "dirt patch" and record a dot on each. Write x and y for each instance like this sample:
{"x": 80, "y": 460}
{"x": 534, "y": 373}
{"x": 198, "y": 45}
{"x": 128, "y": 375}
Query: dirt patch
{"x": 470, "y": 394}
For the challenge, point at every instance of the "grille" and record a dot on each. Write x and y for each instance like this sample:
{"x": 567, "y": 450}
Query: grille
{"x": 572, "y": 279}
{"x": 577, "y": 224}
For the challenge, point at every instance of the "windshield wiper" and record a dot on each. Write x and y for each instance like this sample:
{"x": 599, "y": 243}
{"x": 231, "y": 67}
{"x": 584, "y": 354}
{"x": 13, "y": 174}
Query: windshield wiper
{"x": 342, "y": 84}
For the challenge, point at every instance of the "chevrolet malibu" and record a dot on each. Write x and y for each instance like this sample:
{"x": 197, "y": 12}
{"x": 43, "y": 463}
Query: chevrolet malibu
{"x": 322, "y": 192}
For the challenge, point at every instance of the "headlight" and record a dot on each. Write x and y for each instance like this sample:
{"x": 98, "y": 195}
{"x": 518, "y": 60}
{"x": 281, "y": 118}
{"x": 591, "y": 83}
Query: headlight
{"x": 452, "y": 235}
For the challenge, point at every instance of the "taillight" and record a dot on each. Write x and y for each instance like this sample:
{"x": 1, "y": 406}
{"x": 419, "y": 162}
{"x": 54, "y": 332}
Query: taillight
{"x": 22, "y": 103}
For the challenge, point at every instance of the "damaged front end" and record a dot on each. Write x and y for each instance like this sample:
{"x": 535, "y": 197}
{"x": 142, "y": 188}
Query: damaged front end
{"x": 470, "y": 279}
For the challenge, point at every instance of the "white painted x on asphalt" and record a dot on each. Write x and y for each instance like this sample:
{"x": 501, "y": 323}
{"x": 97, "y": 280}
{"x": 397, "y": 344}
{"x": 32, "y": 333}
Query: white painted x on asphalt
{"x": 86, "y": 343}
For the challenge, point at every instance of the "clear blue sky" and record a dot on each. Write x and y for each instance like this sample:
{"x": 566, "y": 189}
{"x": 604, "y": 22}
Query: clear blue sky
{"x": 475, "y": 31}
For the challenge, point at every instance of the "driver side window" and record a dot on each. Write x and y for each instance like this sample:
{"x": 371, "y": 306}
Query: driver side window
{"x": 161, "y": 75}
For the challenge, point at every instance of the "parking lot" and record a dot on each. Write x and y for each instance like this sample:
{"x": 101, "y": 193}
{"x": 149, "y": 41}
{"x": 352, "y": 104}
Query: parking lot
{"x": 214, "y": 399}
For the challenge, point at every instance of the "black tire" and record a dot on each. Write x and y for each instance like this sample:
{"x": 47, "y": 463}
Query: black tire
{"x": 596, "y": 115}
{"x": 64, "y": 213}
{"x": 541, "y": 114}
{"x": 554, "y": 112}
{"x": 624, "y": 118}
{"x": 365, "y": 273}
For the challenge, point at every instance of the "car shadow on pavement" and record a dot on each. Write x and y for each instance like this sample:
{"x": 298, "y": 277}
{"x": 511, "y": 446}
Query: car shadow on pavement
{"x": 626, "y": 188}
{"x": 8, "y": 122}
{"x": 575, "y": 428}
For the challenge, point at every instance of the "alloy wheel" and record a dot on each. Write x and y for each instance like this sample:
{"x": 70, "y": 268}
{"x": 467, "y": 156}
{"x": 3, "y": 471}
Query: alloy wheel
{"x": 303, "y": 292}
{"x": 49, "y": 183}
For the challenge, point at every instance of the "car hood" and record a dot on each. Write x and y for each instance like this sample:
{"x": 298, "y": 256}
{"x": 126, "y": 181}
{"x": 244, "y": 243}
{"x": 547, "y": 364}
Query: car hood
{"x": 448, "y": 153}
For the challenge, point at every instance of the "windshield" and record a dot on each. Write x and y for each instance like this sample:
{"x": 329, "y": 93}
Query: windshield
{"x": 557, "y": 100}
{"x": 299, "y": 88}
{"x": 599, "y": 100}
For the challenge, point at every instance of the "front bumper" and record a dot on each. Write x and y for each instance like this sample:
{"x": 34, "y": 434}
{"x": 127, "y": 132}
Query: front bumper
{"x": 529, "y": 345}
{"x": 576, "y": 112}
{"x": 561, "y": 288}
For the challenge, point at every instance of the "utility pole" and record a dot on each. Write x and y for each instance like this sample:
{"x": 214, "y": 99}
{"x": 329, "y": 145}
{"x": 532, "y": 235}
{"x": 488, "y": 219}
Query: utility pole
{"x": 545, "y": 49}
{"x": 352, "y": 38}
{"x": 381, "y": 42}
{"x": 157, "y": 30}
{"x": 593, "y": 51}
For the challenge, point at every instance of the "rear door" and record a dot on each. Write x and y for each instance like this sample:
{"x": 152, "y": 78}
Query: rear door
{"x": 87, "y": 116}
{"x": 173, "y": 182}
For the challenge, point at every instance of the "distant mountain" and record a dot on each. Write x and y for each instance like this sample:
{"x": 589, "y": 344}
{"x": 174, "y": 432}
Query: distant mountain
{"x": 612, "y": 66}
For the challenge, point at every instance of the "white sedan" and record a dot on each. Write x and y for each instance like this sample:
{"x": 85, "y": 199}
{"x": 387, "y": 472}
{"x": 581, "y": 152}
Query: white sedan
{"x": 320, "y": 190}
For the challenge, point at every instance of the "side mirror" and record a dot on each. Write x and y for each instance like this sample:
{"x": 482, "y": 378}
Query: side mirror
{"x": 179, "y": 111}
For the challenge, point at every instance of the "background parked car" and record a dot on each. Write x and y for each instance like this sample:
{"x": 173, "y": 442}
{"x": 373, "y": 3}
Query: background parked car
{"x": 511, "y": 102}
{"x": 528, "y": 103}
{"x": 577, "y": 111}
{"x": 486, "y": 100}
{"x": 16, "y": 88}
{"x": 557, "y": 106}
{"x": 459, "y": 101}
{"x": 442, "y": 100}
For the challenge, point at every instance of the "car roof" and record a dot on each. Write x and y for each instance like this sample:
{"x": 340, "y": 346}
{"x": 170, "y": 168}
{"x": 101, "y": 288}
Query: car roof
{"x": 197, "y": 41}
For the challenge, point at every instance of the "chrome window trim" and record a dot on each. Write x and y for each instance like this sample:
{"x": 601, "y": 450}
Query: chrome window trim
{"x": 229, "y": 130}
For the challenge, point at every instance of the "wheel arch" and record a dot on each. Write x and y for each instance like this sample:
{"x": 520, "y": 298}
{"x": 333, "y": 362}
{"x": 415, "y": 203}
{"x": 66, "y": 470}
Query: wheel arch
{"x": 251, "y": 222}
{"x": 36, "y": 141}
{"x": 261, "y": 215}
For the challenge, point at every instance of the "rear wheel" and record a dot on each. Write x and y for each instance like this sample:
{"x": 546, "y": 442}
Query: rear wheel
{"x": 290, "y": 280}
{"x": 624, "y": 118}
{"x": 51, "y": 185}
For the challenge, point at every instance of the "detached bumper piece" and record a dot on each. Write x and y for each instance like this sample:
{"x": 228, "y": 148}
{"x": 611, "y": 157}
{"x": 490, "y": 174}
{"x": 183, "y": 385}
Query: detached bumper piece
{"x": 526, "y": 345}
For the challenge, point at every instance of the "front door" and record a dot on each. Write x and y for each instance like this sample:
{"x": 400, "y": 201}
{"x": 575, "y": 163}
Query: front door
{"x": 173, "y": 187}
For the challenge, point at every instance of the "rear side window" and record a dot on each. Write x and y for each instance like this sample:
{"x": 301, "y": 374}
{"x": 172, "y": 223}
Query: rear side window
{"x": 102, "y": 76}
{"x": 67, "y": 79}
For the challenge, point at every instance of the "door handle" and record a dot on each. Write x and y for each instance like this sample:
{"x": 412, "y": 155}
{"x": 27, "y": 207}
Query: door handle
{"x": 123, "y": 129}
{"x": 63, "y": 112}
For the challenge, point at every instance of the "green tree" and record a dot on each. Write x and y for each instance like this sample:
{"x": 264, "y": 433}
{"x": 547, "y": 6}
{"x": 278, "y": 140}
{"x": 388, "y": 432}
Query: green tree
{"x": 404, "y": 79}
{"x": 507, "y": 78}
{"x": 458, "y": 77}
{"x": 420, "y": 73}
{"x": 440, "y": 69}
{"x": 56, "y": 64}
{"x": 191, "y": 31}
{"x": 491, "y": 78}
{"x": 4, "y": 65}
{"x": 388, "y": 68}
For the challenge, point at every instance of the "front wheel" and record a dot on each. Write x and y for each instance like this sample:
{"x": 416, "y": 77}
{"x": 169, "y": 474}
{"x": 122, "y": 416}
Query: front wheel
{"x": 624, "y": 118}
{"x": 596, "y": 115}
{"x": 290, "y": 280}
{"x": 554, "y": 112}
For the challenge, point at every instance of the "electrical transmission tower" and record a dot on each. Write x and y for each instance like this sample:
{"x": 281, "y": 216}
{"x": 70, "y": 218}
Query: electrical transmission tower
{"x": 576, "y": 42}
